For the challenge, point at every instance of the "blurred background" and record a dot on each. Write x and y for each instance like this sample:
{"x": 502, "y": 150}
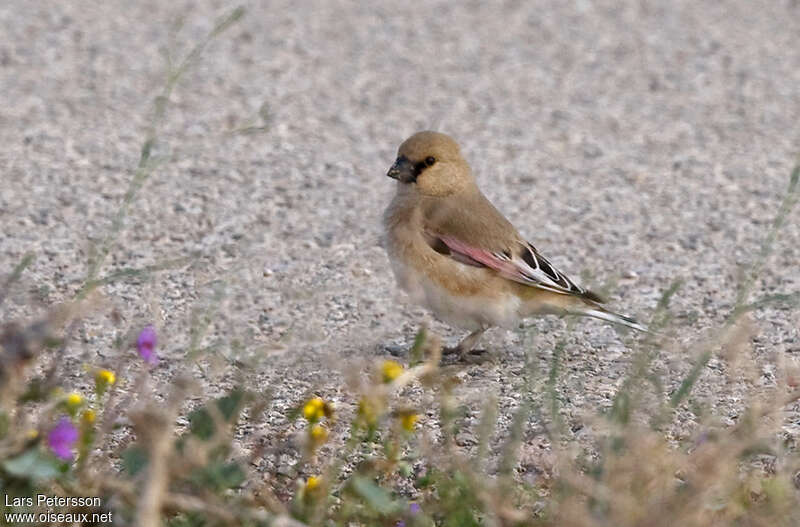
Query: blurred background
{"x": 642, "y": 141}
{"x": 634, "y": 143}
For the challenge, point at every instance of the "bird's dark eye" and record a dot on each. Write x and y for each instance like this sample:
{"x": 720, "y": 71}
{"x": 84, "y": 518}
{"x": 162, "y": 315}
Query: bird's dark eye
{"x": 429, "y": 161}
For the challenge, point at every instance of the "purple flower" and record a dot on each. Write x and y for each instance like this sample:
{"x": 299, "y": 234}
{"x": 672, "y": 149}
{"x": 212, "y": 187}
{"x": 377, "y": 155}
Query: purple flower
{"x": 62, "y": 437}
{"x": 146, "y": 344}
{"x": 413, "y": 510}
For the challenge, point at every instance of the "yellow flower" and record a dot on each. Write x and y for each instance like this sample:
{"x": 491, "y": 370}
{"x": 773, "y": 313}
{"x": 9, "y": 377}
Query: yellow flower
{"x": 391, "y": 370}
{"x": 74, "y": 400}
{"x": 318, "y": 433}
{"x": 32, "y": 433}
{"x": 367, "y": 412}
{"x": 102, "y": 380}
{"x": 313, "y": 482}
{"x": 314, "y": 410}
{"x": 408, "y": 420}
{"x": 89, "y": 416}
{"x": 106, "y": 377}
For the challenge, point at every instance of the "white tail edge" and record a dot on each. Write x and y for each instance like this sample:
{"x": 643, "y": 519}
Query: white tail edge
{"x": 615, "y": 318}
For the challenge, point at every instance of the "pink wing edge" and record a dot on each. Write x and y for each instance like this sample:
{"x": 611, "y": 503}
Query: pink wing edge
{"x": 506, "y": 268}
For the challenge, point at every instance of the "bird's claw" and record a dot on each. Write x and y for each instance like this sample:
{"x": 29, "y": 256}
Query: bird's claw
{"x": 456, "y": 354}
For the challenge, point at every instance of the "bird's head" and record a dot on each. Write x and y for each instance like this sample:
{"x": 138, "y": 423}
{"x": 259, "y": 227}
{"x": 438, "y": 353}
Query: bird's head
{"x": 432, "y": 163}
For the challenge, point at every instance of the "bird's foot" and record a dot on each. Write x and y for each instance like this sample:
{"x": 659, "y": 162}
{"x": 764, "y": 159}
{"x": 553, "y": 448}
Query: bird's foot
{"x": 455, "y": 354}
{"x": 458, "y": 350}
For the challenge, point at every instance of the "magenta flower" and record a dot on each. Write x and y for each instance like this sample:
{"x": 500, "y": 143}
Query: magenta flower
{"x": 62, "y": 437}
{"x": 413, "y": 510}
{"x": 146, "y": 344}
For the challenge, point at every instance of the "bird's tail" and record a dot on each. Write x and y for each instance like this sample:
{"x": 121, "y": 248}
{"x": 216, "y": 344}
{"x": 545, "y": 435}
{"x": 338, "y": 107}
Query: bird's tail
{"x": 615, "y": 318}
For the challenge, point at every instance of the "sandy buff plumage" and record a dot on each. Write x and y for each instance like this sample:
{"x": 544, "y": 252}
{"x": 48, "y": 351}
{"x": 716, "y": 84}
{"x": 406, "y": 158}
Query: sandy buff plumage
{"x": 455, "y": 253}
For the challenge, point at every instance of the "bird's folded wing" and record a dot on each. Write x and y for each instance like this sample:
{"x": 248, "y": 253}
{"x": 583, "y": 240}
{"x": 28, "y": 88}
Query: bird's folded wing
{"x": 522, "y": 264}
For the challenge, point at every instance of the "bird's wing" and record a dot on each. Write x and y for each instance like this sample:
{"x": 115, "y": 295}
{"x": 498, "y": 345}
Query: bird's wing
{"x": 521, "y": 264}
{"x": 474, "y": 232}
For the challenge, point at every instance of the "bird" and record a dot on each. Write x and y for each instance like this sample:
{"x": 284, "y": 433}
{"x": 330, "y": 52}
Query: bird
{"x": 453, "y": 252}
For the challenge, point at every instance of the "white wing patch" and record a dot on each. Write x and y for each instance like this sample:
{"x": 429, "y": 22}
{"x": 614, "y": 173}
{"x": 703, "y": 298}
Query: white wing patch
{"x": 541, "y": 272}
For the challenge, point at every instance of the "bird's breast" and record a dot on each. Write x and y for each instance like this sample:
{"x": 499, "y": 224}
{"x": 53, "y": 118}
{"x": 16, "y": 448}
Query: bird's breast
{"x": 463, "y": 295}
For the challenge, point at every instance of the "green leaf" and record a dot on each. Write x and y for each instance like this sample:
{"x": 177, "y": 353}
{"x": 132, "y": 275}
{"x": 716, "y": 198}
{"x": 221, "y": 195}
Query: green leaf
{"x": 231, "y": 404}
{"x": 220, "y": 476}
{"x": 416, "y": 350}
{"x": 134, "y": 459}
{"x": 425, "y": 480}
{"x": 33, "y": 464}
{"x": 202, "y": 424}
{"x": 376, "y": 497}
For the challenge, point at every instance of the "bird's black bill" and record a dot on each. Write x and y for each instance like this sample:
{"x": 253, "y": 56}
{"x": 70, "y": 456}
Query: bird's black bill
{"x": 403, "y": 170}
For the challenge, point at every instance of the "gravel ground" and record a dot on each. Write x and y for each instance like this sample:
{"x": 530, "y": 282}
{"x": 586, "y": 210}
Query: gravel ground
{"x": 640, "y": 143}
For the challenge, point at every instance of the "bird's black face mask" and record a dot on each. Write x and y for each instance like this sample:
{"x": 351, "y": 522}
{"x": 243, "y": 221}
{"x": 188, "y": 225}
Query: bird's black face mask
{"x": 404, "y": 170}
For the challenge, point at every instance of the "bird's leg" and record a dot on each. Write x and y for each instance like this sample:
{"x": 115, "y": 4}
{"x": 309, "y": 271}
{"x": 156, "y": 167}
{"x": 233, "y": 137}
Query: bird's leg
{"x": 467, "y": 343}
